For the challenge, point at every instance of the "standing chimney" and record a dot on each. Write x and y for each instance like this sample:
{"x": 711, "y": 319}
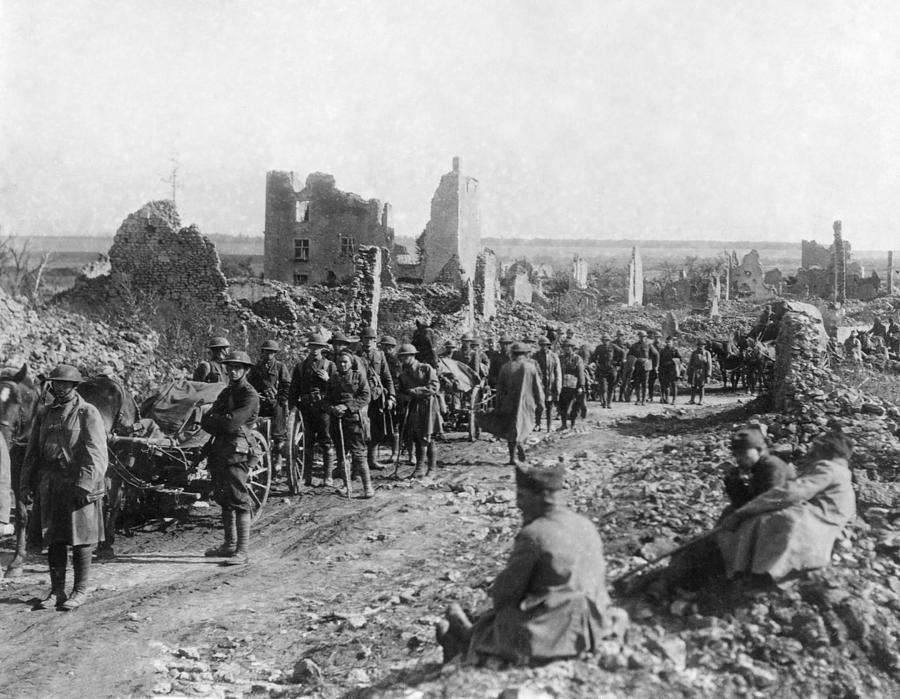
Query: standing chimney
{"x": 456, "y": 163}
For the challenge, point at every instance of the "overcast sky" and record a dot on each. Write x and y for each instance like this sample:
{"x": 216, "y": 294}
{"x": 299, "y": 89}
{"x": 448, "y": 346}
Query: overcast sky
{"x": 659, "y": 119}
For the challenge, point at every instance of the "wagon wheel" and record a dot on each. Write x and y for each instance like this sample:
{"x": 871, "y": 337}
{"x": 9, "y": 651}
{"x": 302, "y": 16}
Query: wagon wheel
{"x": 296, "y": 446}
{"x": 259, "y": 480}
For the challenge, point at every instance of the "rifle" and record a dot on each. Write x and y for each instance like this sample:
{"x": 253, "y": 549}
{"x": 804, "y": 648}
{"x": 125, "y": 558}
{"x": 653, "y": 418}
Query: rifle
{"x": 618, "y": 582}
{"x": 400, "y": 447}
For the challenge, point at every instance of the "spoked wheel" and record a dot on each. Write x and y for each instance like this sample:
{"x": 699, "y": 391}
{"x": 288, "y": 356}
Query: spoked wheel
{"x": 296, "y": 447}
{"x": 259, "y": 480}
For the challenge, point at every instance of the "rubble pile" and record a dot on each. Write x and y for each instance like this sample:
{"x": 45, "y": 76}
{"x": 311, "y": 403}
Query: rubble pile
{"x": 365, "y": 289}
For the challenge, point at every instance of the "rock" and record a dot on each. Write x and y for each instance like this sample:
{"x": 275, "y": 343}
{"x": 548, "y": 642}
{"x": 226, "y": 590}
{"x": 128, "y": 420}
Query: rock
{"x": 523, "y": 692}
{"x": 162, "y": 688}
{"x": 356, "y": 621}
{"x": 673, "y": 649}
{"x": 189, "y": 652}
{"x": 306, "y": 672}
{"x": 358, "y": 676}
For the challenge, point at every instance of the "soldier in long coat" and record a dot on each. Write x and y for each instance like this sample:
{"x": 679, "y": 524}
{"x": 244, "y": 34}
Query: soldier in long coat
{"x": 793, "y": 527}
{"x": 347, "y": 399}
{"x": 272, "y": 382}
{"x": 551, "y": 380}
{"x": 645, "y": 356}
{"x": 550, "y": 601}
{"x": 605, "y": 371}
{"x": 231, "y": 456}
{"x": 698, "y": 370}
{"x": 669, "y": 371}
{"x": 420, "y": 405}
{"x": 574, "y": 381}
{"x": 519, "y": 393}
{"x": 424, "y": 340}
{"x": 498, "y": 359}
{"x": 309, "y": 384}
{"x": 389, "y": 347}
{"x": 65, "y": 465}
{"x": 382, "y": 395}
{"x": 213, "y": 370}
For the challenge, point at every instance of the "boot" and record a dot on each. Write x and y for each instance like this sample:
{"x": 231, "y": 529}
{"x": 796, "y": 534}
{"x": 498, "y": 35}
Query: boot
{"x": 327, "y": 465}
{"x": 419, "y": 471}
{"x": 512, "y": 454}
{"x": 520, "y": 452}
{"x": 241, "y": 555}
{"x": 225, "y": 550}
{"x": 395, "y": 449}
{"x": 370, "y": 458}
{"x": 432, "y": 458}
{"x": 56, "y": 557}
{"x": 549, "y": 419}
{"x": 308, "y": 465}
{"x": 81, "y": 562}
{"x": 366, "y": 477}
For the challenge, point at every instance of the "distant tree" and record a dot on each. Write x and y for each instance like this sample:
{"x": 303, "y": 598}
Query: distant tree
{"x": 22, "y": 269}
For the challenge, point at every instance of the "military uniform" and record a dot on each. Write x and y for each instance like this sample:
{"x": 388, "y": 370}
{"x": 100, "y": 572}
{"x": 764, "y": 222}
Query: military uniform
{"x": 419, "y": 403}
{"x": 645, "y": 355}
{"x": 573, "y": 384}
{"x": 669, "y": 371}
{"x": 381, "y": 389}
{"x": 699, "y": 368}
{"x": 551, "y": 380}
{"x": 307, "y": 393}
{"x": 350, "y": 431}
{"x": 210, "y": 371}
{"x": 605, "y": 371}
{"x": 273, "y": 384}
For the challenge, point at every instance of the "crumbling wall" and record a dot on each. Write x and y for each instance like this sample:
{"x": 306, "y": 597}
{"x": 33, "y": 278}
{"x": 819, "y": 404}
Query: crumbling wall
{"x": 486, "y": 284}
{"x": 635, "y": 279}
{"x": 312, "y": 232}
{"x": 454, "y": 230}
{"x": 750, "y": 279}
{"x": 579, "y": 272}
{"x": 799, "y": 352}
{"x": 812, "y": 254}
{"x": 365, "y": 290}
{"x": 522, "y": 289}
{"x": 839, "y": 264}
{"x": 152, "y": 253}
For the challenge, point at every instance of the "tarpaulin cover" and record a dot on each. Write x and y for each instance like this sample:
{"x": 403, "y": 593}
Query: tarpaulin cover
{"x": 177, "y": 399}
{"x": 457, "y": 374}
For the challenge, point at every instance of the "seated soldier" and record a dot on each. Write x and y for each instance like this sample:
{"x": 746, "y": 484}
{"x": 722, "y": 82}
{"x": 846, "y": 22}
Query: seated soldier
{"x": 550, "y": 601}
{"x": 756, "y": 471}
{"x": 793, "y": 527}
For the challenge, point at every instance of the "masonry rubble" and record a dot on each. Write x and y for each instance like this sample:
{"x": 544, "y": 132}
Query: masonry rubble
{"x": 365, "y": 288}
{"x": 635, "y": 279}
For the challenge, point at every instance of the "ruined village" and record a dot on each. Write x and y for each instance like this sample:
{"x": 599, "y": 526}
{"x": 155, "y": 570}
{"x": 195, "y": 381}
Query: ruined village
{"x": 413, "y": 350}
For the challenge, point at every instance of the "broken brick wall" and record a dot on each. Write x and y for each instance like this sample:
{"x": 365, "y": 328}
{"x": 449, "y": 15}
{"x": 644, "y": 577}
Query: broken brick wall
{"x": 312, "y": 232}
{"x": 152, "y": 253}
{"x": 812, "y": 254}
{"x": 486, "y": 284}
{"x": 365, "y": 289}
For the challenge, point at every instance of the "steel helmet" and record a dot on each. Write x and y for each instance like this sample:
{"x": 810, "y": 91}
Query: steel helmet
{"x": 238, "y": 357}
{"x": 217, "y": 342}
{"x": 66, "y": 372}
{"x": 270, "y": 346}
{"x": 407, "y": 349}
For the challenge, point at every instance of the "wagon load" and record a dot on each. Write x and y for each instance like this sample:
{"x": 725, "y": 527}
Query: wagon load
{"x": 179, "y": 407}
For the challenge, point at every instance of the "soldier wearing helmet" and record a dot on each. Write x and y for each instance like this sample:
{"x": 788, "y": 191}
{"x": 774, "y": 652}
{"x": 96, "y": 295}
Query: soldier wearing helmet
{"x": 382, "y": 395}
{"x": 272, "y": 382}
{"x": 231, "y": 455}
{"x": 213, "y": 369}
{"x": 65, "y": 467}
{"x": 501, "y": 357}
{"x": 420, "y": 406}
{"x": 309, "y": 385}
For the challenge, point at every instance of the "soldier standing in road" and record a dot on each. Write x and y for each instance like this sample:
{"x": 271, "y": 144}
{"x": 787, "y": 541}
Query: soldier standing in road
{"x": 699, "y": 368}
{"x": 519, "y": 393}
{"x": 644, "y": 356}
{"x": 501, "y": 357}
{"x": 605, "y": 372}
{"x": 573, "y": 382}
{"x": 654, "y": 369}
{"x": 382, "y": 396}
{"x": 309, "y": 384}
{"x": 348, "y": 404}
{"x": 272, "y": 382}
{"x": 551, "y": 380}
{"x": 478, "y": 360}
{"x": 620, "y": 360}
{"x": 389, "y": 347}
{"x": 420, "y": 407}
{"x": 423, "y": 339}
{"x": 669, "y": 371}
{"x": 232, "y": 455}
{"x": 65, "y": 467}
{"x": 213, "y": 370}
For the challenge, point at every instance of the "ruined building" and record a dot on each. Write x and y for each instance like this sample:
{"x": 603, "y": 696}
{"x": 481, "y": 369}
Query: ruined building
{"x": 448, "y": 248}
{"x": 313, "y": 232}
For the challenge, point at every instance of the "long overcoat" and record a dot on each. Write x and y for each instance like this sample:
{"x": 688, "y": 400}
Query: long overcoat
{"x": 5, "y": 482}
{"x": 551, "y": 373}
{"x": 550, "y": 601}
{"x": 67, "y": 450}
{"x": 519, "y": 392}
{"x": 792, "y": 527}
{"x": 419, "y": 401}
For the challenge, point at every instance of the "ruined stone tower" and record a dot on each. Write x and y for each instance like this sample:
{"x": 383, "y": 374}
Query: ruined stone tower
{"x": 313, "y": 232}
{"x": 451, "y": 241}
{"x": 840, "y": 265}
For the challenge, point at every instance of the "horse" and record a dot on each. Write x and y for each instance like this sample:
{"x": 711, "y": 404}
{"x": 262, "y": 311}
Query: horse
{"x": 20, "y": 396}
{"x": 730, "y": 361}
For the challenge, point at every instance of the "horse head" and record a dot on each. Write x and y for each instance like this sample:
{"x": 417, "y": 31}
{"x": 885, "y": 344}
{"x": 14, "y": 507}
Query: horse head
{"x": 18, "y": 399}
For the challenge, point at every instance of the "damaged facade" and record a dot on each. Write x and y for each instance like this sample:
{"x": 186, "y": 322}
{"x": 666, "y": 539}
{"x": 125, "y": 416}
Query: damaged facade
{"x": 313, "y": 232}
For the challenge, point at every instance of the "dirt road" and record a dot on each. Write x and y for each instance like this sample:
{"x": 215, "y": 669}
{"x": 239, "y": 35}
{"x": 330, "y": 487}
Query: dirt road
{"x": 352, "y": 587}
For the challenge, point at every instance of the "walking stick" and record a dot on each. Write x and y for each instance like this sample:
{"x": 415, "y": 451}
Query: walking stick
{"x": 345, "y": 459}
{"x": 678, "y": 549}
{"x": 400, "y": 446}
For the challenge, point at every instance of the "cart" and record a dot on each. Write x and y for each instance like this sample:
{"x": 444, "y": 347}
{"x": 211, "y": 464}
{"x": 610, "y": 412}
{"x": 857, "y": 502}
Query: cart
{"x": 464, "y": 395}
{"x": 164, "y": 453}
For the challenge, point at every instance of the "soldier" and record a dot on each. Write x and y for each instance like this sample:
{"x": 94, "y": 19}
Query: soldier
{"x": 423, "y": 340}
{"x": 501, "y": 357}
{"x": 348, "y": 403}
{"x": 550, "y": 601}
{"x": 339, "y": 341}
{"x": 449, "y": 349}
{"x": 573, "y": 382}
{"x": 519, "y": 393}
{"x": 605, "y": 372}
{"x": 389, "y": 347}
{"x": 309, "y": 384}
{"x": 213, "y": 370}
{"x": 654, "y": 369}
{"x": 644, "y": 356}
{"x": 699, "y": 368}
{"x": 853, "y": 347}
{"x": 64, "y": 469}
{"x": 231, "y": 455}
{"x": 669, "y": 371}
{"x": 272, "y": 382}
{"x": 418, "y": 394}
{"x": 478, "y": 360}
{"x": 382, "y": 397}
{"x": 465, "y": 348}
{"x": 551, "y": 380}
{"x": 620, "y": 361}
